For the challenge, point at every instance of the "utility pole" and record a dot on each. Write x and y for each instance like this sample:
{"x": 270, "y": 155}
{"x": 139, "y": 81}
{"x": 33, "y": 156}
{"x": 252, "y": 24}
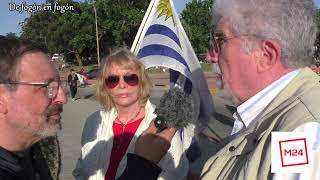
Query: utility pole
{"x": 97, "y": 36}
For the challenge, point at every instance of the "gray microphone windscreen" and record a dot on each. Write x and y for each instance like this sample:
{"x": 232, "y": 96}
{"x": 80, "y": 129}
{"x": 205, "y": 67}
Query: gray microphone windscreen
{"x": 174, "y": 110}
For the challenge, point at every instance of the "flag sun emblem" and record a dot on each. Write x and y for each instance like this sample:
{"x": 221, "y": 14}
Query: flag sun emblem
{"x": 165, "y": 8}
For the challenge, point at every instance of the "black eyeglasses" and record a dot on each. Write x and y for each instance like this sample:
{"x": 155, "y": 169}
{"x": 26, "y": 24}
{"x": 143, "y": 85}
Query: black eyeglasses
{"x": 217, "y": 39}
{"x": 52, "y": 86}
{"x": 113, "y": 80}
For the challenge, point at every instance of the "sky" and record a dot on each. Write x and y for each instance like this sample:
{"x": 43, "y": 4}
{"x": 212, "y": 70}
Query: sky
{"x": 10, "y": 19}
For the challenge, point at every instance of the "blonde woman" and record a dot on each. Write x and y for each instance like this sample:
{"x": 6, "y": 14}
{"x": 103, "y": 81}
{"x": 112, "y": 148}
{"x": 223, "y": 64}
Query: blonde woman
{"x": 123, "y": 88}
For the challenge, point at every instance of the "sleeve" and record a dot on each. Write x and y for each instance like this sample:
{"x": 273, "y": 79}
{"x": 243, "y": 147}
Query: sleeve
{"x": 88, "y": 134}
{"x": 5, "y": 175}
{"x": 174, "y": 164}
{"x": 312, "y": 130}
{"x": 139, "y": 168}
{"x": 78, "y": 169}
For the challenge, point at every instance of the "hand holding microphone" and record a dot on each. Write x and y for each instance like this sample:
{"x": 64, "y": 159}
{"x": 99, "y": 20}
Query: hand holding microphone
{"x": 157, "y": 143}
{"x": 174, "y": 112}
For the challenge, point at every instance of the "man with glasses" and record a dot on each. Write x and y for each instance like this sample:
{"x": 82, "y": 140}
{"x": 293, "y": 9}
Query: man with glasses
{"x": 31, "y": 100}
{"x": 263, "y": 49}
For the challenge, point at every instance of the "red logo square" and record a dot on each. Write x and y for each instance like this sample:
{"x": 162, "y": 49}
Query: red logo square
{"x": 293, "y": 152}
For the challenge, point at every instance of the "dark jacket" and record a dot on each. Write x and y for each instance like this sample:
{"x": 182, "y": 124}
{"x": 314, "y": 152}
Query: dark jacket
{"x": 139, "y": 168}
{"x": 27, "y": 165}
{"x": 72, "y": 80}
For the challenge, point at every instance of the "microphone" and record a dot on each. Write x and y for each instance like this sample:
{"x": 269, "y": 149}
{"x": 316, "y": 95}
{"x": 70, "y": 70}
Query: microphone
{"x": 174, "y": 110}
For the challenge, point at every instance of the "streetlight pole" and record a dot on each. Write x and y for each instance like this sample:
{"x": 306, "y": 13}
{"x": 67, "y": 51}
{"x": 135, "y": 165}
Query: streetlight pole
{"x": 97, "y": 36}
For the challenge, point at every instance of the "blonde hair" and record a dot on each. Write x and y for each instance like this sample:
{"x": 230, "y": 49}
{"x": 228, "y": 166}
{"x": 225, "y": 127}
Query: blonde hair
{"x": 124, "y": 59}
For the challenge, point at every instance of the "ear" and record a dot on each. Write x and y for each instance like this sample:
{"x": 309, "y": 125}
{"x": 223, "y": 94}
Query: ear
{"x": 3, "y": 102}
{"x": 270, "y": 55}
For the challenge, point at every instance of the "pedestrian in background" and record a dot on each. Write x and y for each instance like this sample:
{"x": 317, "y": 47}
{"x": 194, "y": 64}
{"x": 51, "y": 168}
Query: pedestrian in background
{"x": 72, "y": 81}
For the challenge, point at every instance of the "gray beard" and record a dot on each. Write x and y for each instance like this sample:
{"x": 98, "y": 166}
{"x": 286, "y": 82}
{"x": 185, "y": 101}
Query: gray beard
{"x": 47, "y": 131}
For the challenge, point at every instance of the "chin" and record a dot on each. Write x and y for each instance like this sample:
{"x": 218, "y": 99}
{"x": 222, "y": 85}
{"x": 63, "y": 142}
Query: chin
{"x": 49, "y": 130}
{"x": 125, "y": 103}
{"x": 226, "y": 93}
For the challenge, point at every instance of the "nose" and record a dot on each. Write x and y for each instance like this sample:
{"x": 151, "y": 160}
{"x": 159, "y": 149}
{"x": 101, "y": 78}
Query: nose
{"x": 212, "y": 57}
{"x": 122, "y": 84}
{"x": 61, "y": 97}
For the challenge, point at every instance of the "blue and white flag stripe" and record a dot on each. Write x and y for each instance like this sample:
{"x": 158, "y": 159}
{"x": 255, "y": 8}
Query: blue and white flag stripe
{"x": 164, "y": 30}
{"x": 161, "y": 41}
{"x": 162, "y": 50}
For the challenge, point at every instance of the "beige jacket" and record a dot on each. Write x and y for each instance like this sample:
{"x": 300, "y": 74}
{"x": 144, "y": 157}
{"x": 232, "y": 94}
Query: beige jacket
{"x": 247, "y": 154}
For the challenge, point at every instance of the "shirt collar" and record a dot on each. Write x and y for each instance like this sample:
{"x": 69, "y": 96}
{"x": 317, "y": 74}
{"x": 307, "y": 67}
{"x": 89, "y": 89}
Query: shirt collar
{"x": 251, "y": 108}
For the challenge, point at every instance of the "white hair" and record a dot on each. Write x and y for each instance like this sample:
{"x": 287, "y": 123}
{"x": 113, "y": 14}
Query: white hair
{"x": 289, "y": 22}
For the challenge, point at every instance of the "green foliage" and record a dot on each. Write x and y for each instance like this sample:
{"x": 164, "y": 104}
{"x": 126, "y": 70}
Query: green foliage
{"x": 196, "y": 22}
{"x": 206, "y": 67}
{"x": 11, "y": 35}
{"x": 317, "y": 41}
{"x": 119, "y": 21}
{"x": 73, "y": 32}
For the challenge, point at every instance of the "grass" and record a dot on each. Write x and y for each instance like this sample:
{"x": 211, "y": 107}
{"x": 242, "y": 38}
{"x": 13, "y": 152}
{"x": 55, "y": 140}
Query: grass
{"x": 206, "y": 67}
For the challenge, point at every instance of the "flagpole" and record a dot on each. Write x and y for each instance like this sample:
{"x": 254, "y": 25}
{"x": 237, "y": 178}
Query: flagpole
{"x": 97, "y": 37}
{"x": 143, "y": 23}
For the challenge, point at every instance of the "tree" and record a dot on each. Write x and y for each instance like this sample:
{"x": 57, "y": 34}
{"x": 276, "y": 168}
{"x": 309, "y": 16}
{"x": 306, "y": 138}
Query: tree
{"x": 119, "y": 21}
{"x": 73, "y": 32}
{"x": 196, "y": 21}
{"x": 317, "y": 41}
{"x": 69, "y": 32}
{"x": 11, "y": 35}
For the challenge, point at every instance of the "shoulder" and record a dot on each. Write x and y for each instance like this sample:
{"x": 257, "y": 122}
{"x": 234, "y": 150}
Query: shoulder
{"x": 150, "y": 108}
{"x": 7, "y": 175}
{"x": 95, "y": 122}
{"x": 9, "y": 165}
{"x": 303, "y": 110}
{"x": 301, "y": 107}
{"x": 91, "y": 126}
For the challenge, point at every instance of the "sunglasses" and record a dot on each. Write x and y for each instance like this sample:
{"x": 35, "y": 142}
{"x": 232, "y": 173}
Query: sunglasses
{"x": 113, "y": 80}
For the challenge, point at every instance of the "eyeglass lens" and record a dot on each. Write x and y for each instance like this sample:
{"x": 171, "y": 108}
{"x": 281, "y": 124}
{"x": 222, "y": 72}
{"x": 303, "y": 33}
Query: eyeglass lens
{"x": 53, "y": 88}
{"x": 216, "y": 42}
{"x": 113, "y": 81}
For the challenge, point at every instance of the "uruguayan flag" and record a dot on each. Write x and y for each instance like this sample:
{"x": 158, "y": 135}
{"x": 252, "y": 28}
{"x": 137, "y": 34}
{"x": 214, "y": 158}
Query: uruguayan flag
{"x": 162, "y": 41}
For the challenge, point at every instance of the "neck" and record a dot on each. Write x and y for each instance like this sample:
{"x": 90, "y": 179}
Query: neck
{"x": 126, "y": 114}
{"x": 267, "y": 79}
{"x": 15, "y": 139}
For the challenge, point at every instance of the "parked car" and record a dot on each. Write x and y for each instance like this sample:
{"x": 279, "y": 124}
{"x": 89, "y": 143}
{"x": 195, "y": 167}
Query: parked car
{"x": 57, "y": 57}
{"x": 93, "y": 73}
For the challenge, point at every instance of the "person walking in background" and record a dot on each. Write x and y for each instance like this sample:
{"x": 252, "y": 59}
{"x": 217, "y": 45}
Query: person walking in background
{"x": 123, "y": 88}
{"x": 72, "y": 81}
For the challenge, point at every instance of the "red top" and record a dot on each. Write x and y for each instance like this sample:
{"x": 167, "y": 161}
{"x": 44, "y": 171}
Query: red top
{"x": 121, "y": 140}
